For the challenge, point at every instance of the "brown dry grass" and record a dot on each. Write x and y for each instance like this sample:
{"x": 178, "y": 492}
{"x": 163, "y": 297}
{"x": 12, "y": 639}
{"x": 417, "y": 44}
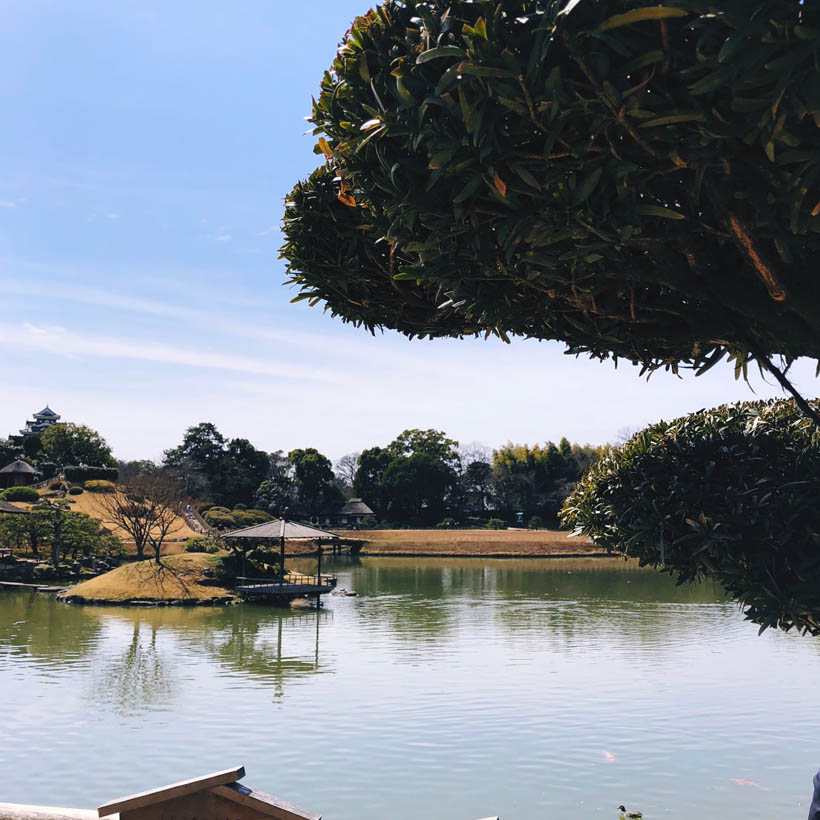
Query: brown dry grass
{"x": 178, "y": 577}
{"x": 475, "y": 543}
{"x": 91, "y": 504}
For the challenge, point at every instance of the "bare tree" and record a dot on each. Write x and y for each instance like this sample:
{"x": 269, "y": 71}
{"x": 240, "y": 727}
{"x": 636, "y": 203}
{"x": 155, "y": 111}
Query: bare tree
{"x": 149, "y": 508}
{"x": 345, "y": 468}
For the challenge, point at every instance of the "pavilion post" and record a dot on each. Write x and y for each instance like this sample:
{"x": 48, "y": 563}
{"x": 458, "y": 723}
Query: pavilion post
{"x": 319, "y": 564}
{"x": 282, "y": 545}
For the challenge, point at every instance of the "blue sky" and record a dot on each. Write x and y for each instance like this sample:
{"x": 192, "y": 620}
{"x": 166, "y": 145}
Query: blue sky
{"x": 145, "y": 152}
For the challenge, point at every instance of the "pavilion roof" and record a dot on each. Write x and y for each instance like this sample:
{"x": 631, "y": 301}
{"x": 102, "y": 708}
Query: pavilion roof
{"x": 19, "y": 467}
{"x": 5, "y": 507}
{"x": 272, "y": 530}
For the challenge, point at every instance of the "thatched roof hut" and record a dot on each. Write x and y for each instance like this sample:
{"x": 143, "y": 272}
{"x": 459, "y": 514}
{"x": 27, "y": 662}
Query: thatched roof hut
{"x": 10, "y": 509}
{"x": 18, "y": 473}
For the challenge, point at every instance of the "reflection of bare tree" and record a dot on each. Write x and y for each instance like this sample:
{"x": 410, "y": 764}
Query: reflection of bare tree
{"x": 140, "y": 675}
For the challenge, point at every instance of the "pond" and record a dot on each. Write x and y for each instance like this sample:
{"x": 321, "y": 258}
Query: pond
{"x": 448, "y": 688}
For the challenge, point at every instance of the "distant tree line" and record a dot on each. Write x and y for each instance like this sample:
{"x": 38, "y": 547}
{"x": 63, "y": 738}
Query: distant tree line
{"x": 421, "y": 478}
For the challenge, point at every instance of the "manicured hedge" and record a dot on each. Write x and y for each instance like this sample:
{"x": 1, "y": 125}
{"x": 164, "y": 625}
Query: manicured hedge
{"x": 75, "y": 490}
{"x": 636, "y": 180}
{"x": 100, "y": 486}
{"x": 730, "y": 494}
{"x": 26, "y": 494}
{"x": 79, "y": 475}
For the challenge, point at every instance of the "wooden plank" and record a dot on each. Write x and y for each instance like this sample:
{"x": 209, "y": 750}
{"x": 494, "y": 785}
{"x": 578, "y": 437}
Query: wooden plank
{"x": 266, "y": 803}
{"x": 138, "y": 801}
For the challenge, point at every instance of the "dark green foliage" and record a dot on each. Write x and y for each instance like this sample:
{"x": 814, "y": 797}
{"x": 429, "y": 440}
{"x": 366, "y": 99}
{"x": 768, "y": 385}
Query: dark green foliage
{"x": 314, "y": 480}
{"x": 100, "y": 486}
{"x": 496, "y": 524}
{"x": 367, "y": 483}
{"x": 275, "y": 494}
{"x": 10, "y": 450}
{"x": 637, "y": 182}
{"x": 416, "y": 488}
{"x": 212, "y": 466}
{"x": 26, "y": 494}
{"x": 536, "y": 523}
{"x": 66, "y": 444}
{"x": 247, "y": 518}
{"x": 78, "y": 475}
{"x": 730, "y": 494}
{"x": 75, "y": 490}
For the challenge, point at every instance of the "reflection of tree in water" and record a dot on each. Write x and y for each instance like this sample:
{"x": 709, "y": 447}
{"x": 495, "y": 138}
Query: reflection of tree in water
{"x": 138, "y": 675}
{"x": 272, "y": 645}
{"x": 423, "y": 599}
{"x": 38, "y": 626}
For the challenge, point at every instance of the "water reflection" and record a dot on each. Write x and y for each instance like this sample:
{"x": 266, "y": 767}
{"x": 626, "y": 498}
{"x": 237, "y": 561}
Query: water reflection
{"x": 447, "y": 687}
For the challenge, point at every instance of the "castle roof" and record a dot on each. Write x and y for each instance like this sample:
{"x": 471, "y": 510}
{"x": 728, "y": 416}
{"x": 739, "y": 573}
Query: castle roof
{"x": 19, "y": 468}
{"x": 46, "y": 413}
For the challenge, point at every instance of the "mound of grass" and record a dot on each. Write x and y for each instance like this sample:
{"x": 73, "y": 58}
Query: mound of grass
{"x": 179, "y": 579}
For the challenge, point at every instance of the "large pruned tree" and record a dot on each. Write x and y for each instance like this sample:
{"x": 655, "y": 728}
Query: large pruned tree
{"x": 640, "y": 182}
{"x": 149, "y": 507}
{"x": 67, "y": 444}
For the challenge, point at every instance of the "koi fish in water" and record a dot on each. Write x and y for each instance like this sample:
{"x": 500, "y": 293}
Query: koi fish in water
{"x": 742, "y": 782}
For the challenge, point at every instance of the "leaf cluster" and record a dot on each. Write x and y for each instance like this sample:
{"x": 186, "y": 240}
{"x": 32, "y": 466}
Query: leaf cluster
{"x": 637, "y": 181}
{"x": 730, "y": 494}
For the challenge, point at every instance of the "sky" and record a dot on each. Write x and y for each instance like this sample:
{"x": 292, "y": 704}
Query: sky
{"x": 145, "y": 152}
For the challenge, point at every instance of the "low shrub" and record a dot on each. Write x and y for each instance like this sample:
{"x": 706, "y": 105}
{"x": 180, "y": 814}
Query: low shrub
{"x": 369, "y": 522}
{"x": 730, "y": 495}
{"x": 248, "y": 518}
{"x": 496, "y": 524}
{"x": 447, "y": 524}
{"x": 25, "y": 494}
{"x": 99, "y": 486}
{"x": 201, "y": 506}
{"x": 219, "y": 520}
{"x": 202, "y": 543}
{"x": 536, "y": 523}
{"x": 240, "y": 507}
{"x": 80, "y": 475}
{"x": 216, "y": 509}
{"x": 76, "y": 489}
{"x": 57, "y": 485}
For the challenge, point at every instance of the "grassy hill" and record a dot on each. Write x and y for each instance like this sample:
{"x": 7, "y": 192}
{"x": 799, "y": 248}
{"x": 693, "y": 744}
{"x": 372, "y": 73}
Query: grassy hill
{"x": 178, "y": 579}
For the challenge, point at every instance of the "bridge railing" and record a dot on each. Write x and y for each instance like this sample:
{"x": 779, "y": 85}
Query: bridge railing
{"x": 291, "y": 579}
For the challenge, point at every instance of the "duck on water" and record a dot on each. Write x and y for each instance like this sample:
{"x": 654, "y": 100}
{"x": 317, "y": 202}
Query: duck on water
{"x": 631, "y": 815}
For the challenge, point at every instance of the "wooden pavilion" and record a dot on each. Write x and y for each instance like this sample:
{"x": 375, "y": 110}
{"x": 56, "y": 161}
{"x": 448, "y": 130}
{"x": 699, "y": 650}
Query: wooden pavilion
{"x": 288, "y": 585}
{"x": 11, "y": 509}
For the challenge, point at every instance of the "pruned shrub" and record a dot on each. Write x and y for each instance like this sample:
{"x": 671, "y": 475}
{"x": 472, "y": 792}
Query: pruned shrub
{"x": 536, "y": 523}
{"x": 219, "y": 520}
{"x": 248, "y": 518}
{"x": 57, "y": 486}
{"x": 81, "y": 475}
{"x": 240, "y": 507}
{"x": 99, "y": 486}
{"x": 573, "y": 171}
{"x": 75, "y": 490}
{"x": 26, "y": 494}
{"x": 496, "y": 524}
{"x": 447, "y": 524}
{"x": 730, "y": 494}
{"x": 201, "y": 506}
{"x": 202, "y": 544}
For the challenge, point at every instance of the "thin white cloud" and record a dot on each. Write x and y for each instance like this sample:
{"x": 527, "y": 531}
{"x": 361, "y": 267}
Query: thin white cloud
{"x": 224, "y": 237}
{"x": 112, "y": 215}
{"x": 60, "y": 342}
{"x": 268, "y": 230}
{"x": 7, "y": 203}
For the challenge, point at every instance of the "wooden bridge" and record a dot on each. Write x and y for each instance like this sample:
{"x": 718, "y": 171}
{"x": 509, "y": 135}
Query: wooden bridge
{"x": 284, "y": 590}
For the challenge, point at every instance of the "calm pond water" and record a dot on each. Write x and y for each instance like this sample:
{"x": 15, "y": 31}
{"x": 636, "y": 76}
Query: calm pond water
{"x": 531, "y": 689}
